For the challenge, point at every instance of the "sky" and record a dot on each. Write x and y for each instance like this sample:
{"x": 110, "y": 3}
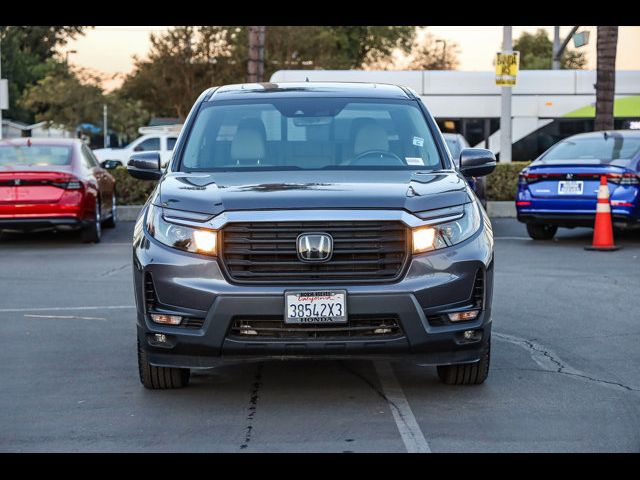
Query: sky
{"x": 109, "y": 50}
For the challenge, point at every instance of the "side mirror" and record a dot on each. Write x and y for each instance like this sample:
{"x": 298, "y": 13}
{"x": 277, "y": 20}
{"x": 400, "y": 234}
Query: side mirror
{"x": 477, "y": 162}
{"x": 145, "y": 166}
{"x": 110, "y": 164}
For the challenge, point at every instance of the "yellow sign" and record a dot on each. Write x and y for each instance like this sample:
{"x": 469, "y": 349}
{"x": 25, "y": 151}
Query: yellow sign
{"x": 507, "y": 64}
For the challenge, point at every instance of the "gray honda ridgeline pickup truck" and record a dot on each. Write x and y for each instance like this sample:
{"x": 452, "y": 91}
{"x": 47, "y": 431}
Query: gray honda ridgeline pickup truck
{"x": 312, "y": 220}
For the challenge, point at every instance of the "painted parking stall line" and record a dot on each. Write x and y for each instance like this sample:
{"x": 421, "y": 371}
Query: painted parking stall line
{"x": 412, "y": 436}
{"x": 64, "y": 309}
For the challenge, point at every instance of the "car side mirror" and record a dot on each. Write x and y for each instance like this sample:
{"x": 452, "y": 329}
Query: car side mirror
{"x": 477, "y": 162}
{"x": 110, "y": 164}
{"x": 145, "y": 166}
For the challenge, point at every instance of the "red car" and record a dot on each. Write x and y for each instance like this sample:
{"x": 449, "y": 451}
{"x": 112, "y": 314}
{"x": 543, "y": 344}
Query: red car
{"x": 59, "y": 184}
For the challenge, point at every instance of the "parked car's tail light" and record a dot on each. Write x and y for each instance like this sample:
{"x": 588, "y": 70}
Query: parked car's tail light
{"x": 627, "y": 178}
{"x": 527, "y": 177}
{"x": 68, "y": 183}
{"x": 182, "y": 237}
{"x": 433, "y": 237}
{"x": 623, "y": 178}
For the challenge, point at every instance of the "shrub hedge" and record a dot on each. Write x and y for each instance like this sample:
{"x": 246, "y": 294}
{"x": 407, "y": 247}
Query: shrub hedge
{"x": 129, "y": 190}
{"x": 501, "y": 184}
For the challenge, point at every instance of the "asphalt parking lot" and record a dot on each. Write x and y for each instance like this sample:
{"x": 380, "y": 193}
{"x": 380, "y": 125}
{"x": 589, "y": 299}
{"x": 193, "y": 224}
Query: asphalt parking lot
{"x": 565, "y": 367}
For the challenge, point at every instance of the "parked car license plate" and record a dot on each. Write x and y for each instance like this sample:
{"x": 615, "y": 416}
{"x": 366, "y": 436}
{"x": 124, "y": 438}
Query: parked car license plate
{"x": 321, "y": 306}
{"x": 570, "y": 187}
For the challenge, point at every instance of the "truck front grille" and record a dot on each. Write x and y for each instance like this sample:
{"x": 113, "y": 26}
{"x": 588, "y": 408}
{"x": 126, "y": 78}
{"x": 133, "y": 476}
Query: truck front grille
{"x": 362, "y": 251}
{"x": 358, "y": 326}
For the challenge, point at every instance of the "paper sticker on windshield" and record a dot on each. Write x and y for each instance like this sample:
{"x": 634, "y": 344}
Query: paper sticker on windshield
{"x": 414, "y": 160}
{"x": 418, "y": 141}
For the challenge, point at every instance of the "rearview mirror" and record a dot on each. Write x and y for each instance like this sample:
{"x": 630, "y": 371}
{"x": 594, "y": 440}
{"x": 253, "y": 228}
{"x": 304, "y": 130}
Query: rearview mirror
{"x": 145, "y": 166}
{"x": 110, "y": 164}
{"x": 477, "y": 162}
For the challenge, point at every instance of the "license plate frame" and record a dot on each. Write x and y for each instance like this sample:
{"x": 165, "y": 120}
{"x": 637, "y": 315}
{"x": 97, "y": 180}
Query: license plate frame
{"x": 321, "y": 315}
{"x": 570, "y": 187}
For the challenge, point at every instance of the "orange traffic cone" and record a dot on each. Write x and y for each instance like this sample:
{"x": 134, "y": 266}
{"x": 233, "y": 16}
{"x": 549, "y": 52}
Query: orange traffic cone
{"x": 603, "y": 231}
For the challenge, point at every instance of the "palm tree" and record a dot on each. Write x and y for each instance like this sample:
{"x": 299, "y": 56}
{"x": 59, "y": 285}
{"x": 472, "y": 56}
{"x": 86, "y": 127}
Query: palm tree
{"x": 255, "y": 67}
{"x": 606, "y": 77}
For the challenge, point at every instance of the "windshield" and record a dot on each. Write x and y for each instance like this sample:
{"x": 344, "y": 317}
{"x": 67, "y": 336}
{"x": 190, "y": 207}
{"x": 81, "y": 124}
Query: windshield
{"x": 310, "y": 134}
{"x": 611, "y": 147}
{"x": 34, "y": 155}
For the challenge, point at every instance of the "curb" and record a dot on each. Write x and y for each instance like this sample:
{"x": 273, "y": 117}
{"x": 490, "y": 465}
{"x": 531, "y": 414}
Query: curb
{"x": 129, "y": 213}
{"x": 501, "y": 209}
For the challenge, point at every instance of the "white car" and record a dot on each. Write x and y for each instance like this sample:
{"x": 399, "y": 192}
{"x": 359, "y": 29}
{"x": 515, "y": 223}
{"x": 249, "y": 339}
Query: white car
{"x": 154, "y": 139}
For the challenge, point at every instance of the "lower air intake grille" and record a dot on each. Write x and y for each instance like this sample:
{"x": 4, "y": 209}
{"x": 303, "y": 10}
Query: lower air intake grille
{"x": 150, "y": 298}
{"x": 478, "y": 289}
{"x": 356, "y": 327}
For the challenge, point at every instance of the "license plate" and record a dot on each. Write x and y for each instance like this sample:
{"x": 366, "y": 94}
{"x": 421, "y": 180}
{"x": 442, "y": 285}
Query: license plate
{"x": 570, "y": 187}
{"x": 322, "y": 306}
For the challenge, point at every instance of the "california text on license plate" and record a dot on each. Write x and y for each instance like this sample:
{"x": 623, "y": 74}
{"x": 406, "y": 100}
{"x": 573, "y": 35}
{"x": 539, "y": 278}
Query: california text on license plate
{"x": 570, "y": 187}
{"x": 310, "y": 306}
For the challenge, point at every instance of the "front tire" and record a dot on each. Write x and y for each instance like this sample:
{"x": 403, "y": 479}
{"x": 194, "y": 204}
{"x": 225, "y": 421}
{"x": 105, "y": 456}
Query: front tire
{"x": 539, "y": 231}
{"x": 466, "y": 373}
{"x": 92, "y": 233}
{"x": 160, "y": 378}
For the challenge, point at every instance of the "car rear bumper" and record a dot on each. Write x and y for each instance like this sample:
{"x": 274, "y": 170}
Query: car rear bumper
{"x": 196, "y": 286}
{"x": 41, "y": 223}
{"x": 575, "y": 219}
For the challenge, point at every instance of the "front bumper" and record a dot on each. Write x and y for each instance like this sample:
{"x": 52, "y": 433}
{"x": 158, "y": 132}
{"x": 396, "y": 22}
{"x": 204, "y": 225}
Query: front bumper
{"x": 195, "y": 286}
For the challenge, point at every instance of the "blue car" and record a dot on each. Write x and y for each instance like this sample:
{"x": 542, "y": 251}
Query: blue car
{"x": 560, "y": 188}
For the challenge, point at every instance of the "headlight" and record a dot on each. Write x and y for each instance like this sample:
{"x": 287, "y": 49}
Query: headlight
{"x": 446, "y": 234}
{"x": 185, "y": 238}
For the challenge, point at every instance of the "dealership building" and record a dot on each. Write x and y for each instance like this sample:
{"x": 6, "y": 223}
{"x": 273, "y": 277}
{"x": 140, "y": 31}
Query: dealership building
{"x": 547, "y": 105}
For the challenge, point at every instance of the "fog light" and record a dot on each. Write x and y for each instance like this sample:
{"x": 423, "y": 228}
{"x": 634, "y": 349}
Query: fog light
{"x": 247, "y": 330}
{"x": 468, "y": 334}
{"x": 462, "y": 316}
{"x": 166, "y": 319}
{"x": 382, "y": 331}
{"x": 160, "y": 338}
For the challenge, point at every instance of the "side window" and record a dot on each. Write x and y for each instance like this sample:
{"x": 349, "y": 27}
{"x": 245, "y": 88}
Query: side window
{"x": 88, "y": 159}
{"x": 148, "y": 145}
{"x": 171, "y": 142}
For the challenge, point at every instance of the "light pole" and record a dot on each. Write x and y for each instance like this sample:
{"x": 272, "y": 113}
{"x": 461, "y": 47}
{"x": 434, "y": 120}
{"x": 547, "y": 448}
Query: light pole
{"x": 66, "y": 55}
{"x": 505, "y": 114}
{"x": 105, "y": 137}
{"x": 444, "y": 51}
{"x": 558, "y": 48}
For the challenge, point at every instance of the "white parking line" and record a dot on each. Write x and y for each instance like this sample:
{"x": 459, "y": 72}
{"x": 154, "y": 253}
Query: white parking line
{"x": 64, "y": 309}
{"x": 511, "y": 238}
{"x": 408, "y": 427}
{"x": 64, "y": 317}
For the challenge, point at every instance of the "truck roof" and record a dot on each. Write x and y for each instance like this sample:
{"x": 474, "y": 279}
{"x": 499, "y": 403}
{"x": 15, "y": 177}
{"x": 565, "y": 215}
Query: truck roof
{"x": 308, "y": 89}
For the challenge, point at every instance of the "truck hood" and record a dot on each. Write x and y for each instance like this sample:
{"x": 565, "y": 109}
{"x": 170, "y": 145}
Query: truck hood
{"x": 213, "y": 193}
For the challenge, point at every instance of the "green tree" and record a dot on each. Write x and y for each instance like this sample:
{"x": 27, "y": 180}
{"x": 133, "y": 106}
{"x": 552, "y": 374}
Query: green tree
{"x": 28, "y": 56}
{"x": 536, "y": 50}
{"x": 428, "y": 55}
{"x": 184, "y": 61}
{"x": 125, "y": 115}
{"x": 65, "y": 97}
{"x": 181, "y": 63}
